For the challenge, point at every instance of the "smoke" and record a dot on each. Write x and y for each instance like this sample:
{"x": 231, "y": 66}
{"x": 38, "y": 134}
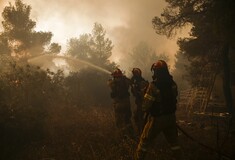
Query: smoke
{"x": 61, "y": 61}
{"x": 1, "y": 2}
{"x": 126, "y": 22}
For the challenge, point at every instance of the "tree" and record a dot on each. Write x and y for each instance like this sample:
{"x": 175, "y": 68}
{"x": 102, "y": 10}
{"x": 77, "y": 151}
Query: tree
{"x": 54, "y": 48}
{"x": 212, "y": 33}
{"x": 94, "y": 47}
{"x": 142, "y": 56}
{"x": 180, "y": 71}
{"x": 102, "y": 46}
{"x": 80, "y": 47}
{"x": 4, "y": 47}
{"x": 19, "y": 31}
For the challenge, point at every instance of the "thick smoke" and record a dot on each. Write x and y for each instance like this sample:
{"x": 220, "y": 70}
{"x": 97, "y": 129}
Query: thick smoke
{"x": 126, "y": 22}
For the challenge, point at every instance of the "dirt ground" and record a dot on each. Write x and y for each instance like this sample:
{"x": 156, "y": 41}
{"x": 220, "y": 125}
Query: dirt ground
{"x": 70, "y": 133}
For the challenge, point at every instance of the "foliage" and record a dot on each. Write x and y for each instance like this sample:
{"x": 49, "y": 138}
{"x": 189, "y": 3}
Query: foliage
{"x": 211, "y": 39}
{"x": 4, "y": 48}
{"x": 88, "y": 87}
{"x": 80, "y": 47}
{"x": 32, "y": 100}
{"x": 180, "y": 71}
{"x": 212, "y": 24}
{"x": 90, "y": 84}
{"x": 54, "y": 48}
{"x": 27, "y": 87}
{"x": 19, "y": 36}
{"x": 25, "y": 94}
{"x": 102, "y": 48}
{"x": 142, "y": 56}
{"x": 45, "y": 115}
{"x": 94, "y": 47}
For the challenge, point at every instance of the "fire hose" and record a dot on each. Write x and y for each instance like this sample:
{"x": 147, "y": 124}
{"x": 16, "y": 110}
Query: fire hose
{"x": 203, "y": 145}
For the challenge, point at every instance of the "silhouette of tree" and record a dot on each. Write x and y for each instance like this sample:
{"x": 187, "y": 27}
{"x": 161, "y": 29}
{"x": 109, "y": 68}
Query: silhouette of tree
{"x": 4, "y": 47}
{"x": 80, "y": 47}
{"x": 94, "y": 47}
{"x": 180, "y": 71}
{"x": 212, "y": 34}
{"x": 19, "y": 33}
{"x": 54, "y": 48}
{"x": 142, "y": 56}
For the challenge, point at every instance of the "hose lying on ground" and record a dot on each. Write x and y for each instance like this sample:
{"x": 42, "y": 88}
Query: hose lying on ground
{"x": 201, "y": 144}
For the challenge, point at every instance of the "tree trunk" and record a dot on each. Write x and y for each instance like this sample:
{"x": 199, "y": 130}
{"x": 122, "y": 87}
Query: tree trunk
{"x": 227, "y": 81}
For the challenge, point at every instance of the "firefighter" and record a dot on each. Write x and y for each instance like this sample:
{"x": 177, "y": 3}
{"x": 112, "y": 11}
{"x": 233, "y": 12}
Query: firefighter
{"x": 138, "y": 88}
{"x": 160, "y": 105}
{"x": 119, "y": 85}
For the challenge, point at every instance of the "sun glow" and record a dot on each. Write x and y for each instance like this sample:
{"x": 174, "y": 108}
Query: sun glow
{"x": 61, "y": 29}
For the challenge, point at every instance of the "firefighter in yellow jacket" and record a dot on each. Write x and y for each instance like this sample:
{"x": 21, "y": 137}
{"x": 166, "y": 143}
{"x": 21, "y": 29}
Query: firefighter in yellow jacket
{"x": 138, "y": 88}
{"x": 160, "y": 105}
{"x": 119, "y": 85}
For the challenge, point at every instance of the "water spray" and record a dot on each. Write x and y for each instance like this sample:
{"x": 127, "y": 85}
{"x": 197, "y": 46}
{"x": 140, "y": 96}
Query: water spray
{"x": 34, "y": 59}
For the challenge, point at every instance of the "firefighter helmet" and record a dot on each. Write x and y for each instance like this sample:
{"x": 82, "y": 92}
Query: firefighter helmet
{"x": 136, "y": 72}
{"x": 160, "y": 64}
{"x": 117, "y": 73}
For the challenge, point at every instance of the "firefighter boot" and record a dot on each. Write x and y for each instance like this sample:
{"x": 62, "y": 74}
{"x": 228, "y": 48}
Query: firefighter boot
{"x": 140, "y": 155}
{"x": 177, "y": 153}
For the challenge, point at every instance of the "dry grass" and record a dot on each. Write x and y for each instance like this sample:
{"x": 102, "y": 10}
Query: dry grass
{"x": 71, "y": 133}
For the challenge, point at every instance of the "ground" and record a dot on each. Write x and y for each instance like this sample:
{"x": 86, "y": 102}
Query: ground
{"x": 71, "y": 133}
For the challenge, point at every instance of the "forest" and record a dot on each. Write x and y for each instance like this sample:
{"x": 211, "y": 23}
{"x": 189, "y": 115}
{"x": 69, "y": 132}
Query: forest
{"x": 64, "y": 112}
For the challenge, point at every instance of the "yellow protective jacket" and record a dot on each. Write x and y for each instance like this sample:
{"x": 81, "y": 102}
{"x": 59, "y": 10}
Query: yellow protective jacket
{"x": 160, "y": 98}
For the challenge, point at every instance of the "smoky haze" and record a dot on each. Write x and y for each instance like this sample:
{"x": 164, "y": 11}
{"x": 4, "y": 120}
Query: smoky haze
{"x": 126, "y": 22}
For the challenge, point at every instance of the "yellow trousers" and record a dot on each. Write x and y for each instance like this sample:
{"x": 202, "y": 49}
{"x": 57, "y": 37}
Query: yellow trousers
{"x": 154, "y": 126}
